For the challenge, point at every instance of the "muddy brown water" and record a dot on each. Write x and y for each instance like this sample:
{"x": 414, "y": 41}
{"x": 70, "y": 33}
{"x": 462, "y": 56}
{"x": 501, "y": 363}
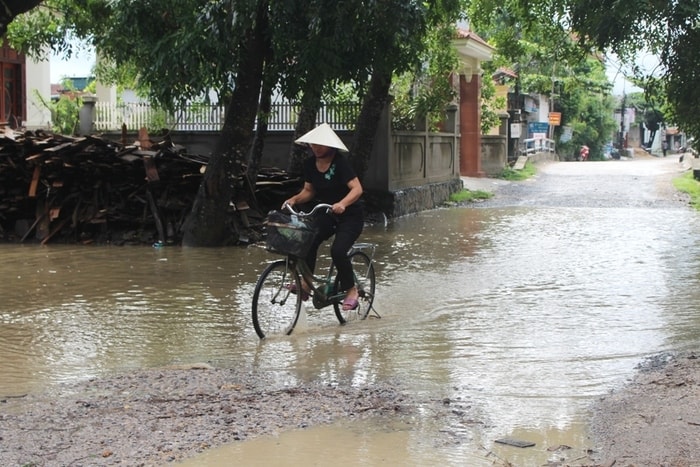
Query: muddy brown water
{"x": 530, "y": 311}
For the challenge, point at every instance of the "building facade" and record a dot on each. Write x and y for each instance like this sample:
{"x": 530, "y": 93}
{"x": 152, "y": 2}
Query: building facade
{"x": 22, "y": 80}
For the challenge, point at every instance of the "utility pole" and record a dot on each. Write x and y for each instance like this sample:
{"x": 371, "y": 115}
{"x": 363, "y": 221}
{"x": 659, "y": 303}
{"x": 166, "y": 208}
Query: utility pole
{"x": 622, "y": 123}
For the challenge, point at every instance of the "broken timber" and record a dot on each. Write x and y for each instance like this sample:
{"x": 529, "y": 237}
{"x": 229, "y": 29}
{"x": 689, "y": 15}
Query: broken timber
{"x": 57, "y": 188}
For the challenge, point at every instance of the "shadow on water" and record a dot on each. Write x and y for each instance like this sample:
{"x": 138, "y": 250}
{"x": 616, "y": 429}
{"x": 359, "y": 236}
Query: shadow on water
{"x": 525, "y": 314}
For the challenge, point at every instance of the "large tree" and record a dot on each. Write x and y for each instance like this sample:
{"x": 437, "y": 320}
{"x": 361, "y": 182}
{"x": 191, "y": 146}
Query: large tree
{"x": 352, "y": 41}
{"x": 180, "y": 49}
{"x": 533, "y": 37}
{"x": 666, "y": 28}
{"x": 10, "y": 9}
{"x": 628, "y": 28}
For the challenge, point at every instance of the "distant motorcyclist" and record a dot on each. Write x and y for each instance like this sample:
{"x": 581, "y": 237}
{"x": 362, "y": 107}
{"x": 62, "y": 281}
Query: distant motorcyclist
{"x": 583, "y": 153}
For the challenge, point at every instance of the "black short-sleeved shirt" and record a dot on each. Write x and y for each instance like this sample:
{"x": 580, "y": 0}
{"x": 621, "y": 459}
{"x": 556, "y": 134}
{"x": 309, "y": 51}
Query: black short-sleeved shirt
{"x": 331, "y": 186}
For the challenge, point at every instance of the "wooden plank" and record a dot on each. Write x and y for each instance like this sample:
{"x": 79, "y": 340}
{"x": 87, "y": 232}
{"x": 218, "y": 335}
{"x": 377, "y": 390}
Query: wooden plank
{"x": 129, "y": 157}
{"x": 518, "y": 443}
{"x": 59, "y": 147}
{"x": 58, "y": 228}
{"x": 520, "y": 163}
{"x": 156, "y": 216}
{"x": 29, "y": 230}
{"x": 141, "y": 152}
{"x": 144, "y": 139}
{"x": 151, "y": 169}
{"x": 35, "y": 181}
{"x": 10, "y": 133}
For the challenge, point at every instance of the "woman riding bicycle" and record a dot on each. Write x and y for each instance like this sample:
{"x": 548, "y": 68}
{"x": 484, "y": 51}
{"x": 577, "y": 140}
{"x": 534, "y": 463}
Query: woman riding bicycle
{"x": 329, "y": 178}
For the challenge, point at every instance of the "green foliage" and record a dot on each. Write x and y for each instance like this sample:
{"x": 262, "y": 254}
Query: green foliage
{"x": 425, "y": 92}
{"x": 491, "y": 106}
{"x": 466, "y": 196}
{"x": 667, "y": 29}
{"x": 404, "y": 114}
{"x": 341, "y": 102}
{"x": 639, "y": 102}
{"x": 653, "y": 119}
{"x": 531, "y": 34}
{"x": 587, "y": 108}
{"x": 177, "y": 50}
{"x": 688, "y": 184}
{"x": 158, "y": 119}
{"x": 548, "y": 62}
{"x": 64, "y": 112}
{"x": 11, "y": 9}
{"x": 180, "y": 48}
{"x": 91, "y": 88}
{"x": 517, "y": 175}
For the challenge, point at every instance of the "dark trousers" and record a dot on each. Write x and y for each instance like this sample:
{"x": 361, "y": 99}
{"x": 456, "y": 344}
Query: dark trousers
{"x": 346, "y": 228}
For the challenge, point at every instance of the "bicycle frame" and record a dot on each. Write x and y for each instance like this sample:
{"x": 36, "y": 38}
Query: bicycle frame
{"x": 323, "y": 295}
{"x": 273, "y": 313}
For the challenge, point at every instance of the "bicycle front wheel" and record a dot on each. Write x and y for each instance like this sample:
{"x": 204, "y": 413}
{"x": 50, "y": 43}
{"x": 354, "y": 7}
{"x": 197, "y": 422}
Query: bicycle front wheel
{"x": 275, "y": 308}
{"x": 365, "y": 281}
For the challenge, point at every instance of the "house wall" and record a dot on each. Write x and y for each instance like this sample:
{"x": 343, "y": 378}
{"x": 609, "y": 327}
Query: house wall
{"x": 37, "y": 79}
{"x": 408, "y": 171}
{"x": 494, "y": 154}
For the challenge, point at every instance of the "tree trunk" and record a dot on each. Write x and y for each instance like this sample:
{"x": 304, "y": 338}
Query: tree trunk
{"x": 310, "y": 103}
{"x": 209, "y": 222}
{"x": 9, "y": 9}
{"x": 264, "y": 110}
{"x": 372, "y": 106}
{"x": 256, "y": 153}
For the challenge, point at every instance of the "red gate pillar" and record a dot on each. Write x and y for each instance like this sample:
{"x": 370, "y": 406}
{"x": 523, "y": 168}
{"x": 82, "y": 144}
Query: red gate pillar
{"x": 470, "y": 126}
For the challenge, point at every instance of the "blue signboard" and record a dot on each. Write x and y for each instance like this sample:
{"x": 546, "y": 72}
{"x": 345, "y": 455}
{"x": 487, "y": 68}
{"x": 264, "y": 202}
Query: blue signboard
{"x": 537, "y": 127}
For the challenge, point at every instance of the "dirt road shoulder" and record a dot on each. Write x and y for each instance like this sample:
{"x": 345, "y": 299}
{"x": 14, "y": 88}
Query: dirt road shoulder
{"x": 655, "y": 419}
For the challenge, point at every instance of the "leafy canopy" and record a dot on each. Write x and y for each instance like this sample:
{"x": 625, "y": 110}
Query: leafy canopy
{"x": 534, "y": 39}
{"x": 669, "y": 29}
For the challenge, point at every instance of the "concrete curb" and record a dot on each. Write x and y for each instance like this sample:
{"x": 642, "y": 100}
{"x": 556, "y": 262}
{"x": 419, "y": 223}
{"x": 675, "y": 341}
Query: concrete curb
{"x": 483, "y": 183}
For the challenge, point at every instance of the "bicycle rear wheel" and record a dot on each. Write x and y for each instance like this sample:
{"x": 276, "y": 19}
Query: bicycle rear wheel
{"x": 365, "y": 280}
{"x": 275, "y": 308}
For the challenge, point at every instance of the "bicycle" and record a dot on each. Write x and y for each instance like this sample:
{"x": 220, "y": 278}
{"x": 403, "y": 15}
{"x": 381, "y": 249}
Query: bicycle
{"x": 278, "y": 295}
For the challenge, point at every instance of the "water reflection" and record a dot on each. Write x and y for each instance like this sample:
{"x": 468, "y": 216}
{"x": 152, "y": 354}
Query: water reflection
{"x": 75, "y": 312}
{"x": 527, "y": 313}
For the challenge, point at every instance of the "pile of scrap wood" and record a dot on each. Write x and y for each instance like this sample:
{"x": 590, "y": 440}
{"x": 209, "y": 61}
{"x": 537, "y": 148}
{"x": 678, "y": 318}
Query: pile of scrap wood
{"x": 56, "y": 188}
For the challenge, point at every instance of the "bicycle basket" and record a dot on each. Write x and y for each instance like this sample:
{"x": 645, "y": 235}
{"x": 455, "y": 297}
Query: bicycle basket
{"x": 288, "y": 234}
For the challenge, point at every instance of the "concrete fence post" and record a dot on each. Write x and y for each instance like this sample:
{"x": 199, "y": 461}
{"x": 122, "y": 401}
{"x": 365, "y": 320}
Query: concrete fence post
{"x": 86, "y": 116}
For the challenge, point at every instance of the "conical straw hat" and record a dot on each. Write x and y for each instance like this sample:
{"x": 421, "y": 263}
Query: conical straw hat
{"x": 322, "y": 135}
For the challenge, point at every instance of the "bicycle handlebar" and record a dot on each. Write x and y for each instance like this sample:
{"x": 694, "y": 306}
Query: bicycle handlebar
{"x": 318, "y": 207}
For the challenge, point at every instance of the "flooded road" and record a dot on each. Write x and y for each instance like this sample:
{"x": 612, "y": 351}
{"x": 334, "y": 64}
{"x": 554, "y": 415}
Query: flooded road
{"x": 526, "y": 308}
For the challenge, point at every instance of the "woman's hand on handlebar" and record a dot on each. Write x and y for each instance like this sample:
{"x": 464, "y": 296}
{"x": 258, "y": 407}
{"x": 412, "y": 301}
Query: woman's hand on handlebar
{"x": 338, "y": 208}
{"x": 319, "y": 207}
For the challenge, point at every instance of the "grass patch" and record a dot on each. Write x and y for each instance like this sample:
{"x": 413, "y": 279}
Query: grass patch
{"x": 516, "y": 175}
{"x": 687, "y": 184}
{"x": 465, "y": 196}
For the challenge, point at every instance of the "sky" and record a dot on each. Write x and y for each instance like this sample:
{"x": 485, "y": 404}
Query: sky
{"x": 620, "y": 84}
{"x": 648, "y": 62}
{"x": 79, "y": 66}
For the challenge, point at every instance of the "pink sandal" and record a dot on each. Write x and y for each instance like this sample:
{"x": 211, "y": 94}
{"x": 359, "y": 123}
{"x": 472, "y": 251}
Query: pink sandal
{"x": 350, "y": 304}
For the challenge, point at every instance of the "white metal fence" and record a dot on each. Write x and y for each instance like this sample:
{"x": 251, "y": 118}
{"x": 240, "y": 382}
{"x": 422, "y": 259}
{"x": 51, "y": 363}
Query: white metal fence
{"x": 110, "y": 116}
{"x": 534, "y": 145}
